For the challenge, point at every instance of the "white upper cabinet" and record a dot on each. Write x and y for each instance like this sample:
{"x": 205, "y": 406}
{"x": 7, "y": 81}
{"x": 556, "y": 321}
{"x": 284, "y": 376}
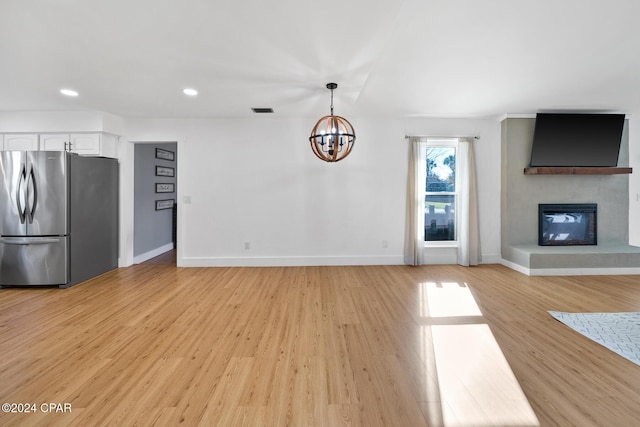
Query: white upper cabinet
{"x": 84, "y": 144}
{"x": 20, "y": 142}
{"x": 54, "y": 142}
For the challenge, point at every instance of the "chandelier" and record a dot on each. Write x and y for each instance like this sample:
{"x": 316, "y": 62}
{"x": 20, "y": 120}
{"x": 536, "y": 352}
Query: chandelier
{"x": 332, "y": 137}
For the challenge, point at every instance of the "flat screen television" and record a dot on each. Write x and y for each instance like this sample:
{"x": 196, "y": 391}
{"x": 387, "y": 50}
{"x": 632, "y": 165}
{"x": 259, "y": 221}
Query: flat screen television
{"x": 576, "y": 140}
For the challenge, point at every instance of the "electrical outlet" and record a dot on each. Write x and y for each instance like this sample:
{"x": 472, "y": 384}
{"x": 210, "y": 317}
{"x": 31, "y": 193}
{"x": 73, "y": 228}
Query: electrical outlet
{"x": 385, "y": 244}
{"x": 247, "y": 246}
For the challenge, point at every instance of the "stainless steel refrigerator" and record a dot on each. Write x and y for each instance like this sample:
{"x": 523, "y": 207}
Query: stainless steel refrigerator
{"x": 58, "y": 218}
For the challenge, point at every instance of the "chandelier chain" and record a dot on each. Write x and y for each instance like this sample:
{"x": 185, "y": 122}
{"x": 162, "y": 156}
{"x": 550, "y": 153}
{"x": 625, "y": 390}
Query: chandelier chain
{"x": 332, "y": 102}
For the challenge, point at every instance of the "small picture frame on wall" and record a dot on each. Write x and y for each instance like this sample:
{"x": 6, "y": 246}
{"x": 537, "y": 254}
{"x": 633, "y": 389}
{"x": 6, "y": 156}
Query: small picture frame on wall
{"x": 165, "y": 154}
{"x": 165, "y": 171}
{"x": 165, "y": 187}
{"x": 165, "y": 204}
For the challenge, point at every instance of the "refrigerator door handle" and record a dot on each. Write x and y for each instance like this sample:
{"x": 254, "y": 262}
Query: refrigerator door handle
{"x": 34, "y": 201}
{"x": 20, "y": 194}
{"x": 29, "y": 240}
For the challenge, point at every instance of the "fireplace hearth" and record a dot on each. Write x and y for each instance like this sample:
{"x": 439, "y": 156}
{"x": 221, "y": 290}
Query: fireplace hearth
{"x": 567, "y": 224}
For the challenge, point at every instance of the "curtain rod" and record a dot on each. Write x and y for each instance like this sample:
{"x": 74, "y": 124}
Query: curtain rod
{"x": 475, "y": 137}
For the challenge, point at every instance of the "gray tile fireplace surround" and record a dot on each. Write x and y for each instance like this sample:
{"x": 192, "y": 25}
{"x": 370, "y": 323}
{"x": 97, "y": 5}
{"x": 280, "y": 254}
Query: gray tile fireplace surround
{"x": 522, "y": 193}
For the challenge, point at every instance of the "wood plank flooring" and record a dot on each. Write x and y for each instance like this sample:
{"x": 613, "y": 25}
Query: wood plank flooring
{"x": 154, "y": 344}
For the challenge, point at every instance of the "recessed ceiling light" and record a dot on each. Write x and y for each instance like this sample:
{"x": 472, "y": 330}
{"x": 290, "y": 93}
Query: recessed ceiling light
{"x": 68, "y": 92}
{"x": 190, "y": 92}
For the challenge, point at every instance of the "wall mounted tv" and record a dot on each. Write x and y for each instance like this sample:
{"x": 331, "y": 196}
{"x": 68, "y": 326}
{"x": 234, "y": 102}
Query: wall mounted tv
{"x": 576, "y": 140}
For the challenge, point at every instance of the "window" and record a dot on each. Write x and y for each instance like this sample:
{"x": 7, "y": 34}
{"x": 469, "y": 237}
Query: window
{"x": 440, "y": 192}
{"x": 442, "y": 207}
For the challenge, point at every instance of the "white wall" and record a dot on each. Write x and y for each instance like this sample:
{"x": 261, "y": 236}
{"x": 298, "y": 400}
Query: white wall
{"x": 256, "y": 181}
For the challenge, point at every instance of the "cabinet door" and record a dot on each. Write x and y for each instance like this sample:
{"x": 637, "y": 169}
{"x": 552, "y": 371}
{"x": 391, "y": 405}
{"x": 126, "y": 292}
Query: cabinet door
{"x": 20, "y": 142}
{"x": 85, "y": 144}
{"x": 109, "y": 145}
{"x": 54, "y": 142}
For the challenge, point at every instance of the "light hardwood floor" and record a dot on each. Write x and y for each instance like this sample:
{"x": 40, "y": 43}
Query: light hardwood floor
{"x": 368, "y": 346}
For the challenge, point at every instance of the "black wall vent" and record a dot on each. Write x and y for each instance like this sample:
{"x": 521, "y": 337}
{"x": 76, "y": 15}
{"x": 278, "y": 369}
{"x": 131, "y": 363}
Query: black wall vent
{"x": 259, "y": 110}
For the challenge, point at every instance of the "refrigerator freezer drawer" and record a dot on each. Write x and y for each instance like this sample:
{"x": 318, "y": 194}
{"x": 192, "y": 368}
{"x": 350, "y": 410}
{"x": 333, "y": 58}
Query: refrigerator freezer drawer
{"x": 33, "y": 261}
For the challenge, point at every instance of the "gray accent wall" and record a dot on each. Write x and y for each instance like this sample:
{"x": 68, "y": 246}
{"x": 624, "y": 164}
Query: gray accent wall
{"x": 522, "y": 193}
{"x": 152, "y": 228}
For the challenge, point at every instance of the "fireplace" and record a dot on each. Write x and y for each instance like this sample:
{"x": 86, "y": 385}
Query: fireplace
{"x": 567, "y": 224}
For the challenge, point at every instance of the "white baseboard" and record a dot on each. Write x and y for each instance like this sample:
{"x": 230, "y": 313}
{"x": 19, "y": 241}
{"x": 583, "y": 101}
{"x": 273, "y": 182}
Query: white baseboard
{"x": 292, "y": 261}
{"x": 517, "y": 267}
{"x": 288, "y": 261}
{"x": 152, "y": 253}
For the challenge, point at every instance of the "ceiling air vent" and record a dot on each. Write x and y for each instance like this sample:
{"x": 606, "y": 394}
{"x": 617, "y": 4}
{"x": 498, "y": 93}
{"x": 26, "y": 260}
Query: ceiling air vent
{"x": 258, "y": 110}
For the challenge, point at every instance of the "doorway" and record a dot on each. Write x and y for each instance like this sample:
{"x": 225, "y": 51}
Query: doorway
{"x": 154, "y": 201}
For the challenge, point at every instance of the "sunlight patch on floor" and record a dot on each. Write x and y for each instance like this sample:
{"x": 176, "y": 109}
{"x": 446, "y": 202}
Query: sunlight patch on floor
{"x": 476, "y": 386}
{"x": 449, "y": 299}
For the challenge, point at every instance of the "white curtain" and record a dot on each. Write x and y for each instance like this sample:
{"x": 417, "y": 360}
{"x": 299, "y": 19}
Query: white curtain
{"x": 468, "y": 240}
{"x": 416, "y": 181}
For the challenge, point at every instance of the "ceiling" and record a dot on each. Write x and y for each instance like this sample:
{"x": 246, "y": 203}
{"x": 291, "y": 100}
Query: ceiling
{"x": 463, "y": 58}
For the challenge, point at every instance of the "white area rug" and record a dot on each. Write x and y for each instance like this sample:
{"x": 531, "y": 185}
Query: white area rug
{"x": 619, "y": 332}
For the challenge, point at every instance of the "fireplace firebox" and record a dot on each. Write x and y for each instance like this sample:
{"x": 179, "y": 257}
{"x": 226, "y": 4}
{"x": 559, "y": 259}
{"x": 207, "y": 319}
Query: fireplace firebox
{"x": 567, "y": 224}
